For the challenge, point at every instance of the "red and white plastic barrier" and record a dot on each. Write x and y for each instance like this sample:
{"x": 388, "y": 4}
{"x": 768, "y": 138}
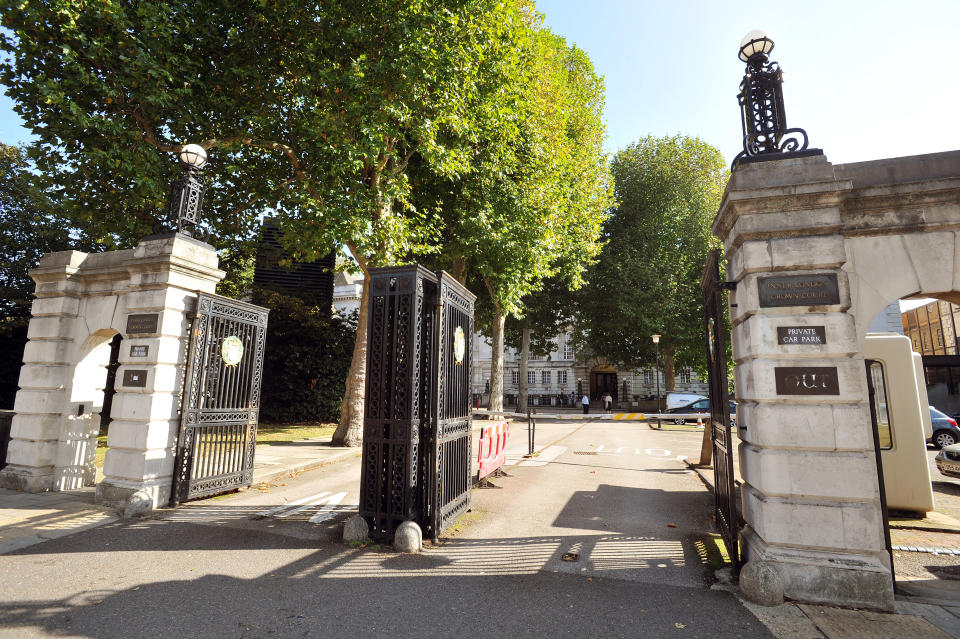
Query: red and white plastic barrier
{"x": 493, "y": 448}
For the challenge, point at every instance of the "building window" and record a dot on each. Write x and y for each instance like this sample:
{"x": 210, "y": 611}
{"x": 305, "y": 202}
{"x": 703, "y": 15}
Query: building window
{"x": 567, "y": 349}
{"x": 685, "y": 376}
{"x": 537, "y": 358}
{"x": 515, "y": 377}
{"x": 531, "y": 377}
{"x": 545, "y": 378}
{"x": 647, "y": 376}
{"x": 562, "y": 378}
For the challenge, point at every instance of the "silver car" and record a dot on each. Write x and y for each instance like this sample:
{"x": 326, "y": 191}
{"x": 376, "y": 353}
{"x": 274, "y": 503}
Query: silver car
{"x": 948, "y": 460}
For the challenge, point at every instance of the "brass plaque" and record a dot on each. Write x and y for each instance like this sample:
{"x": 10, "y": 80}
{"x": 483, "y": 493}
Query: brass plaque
{"x": 801, "y": 335}
{"x": 806, "y": 380}
{"x": 139, "y": 350}
{"x": 135, "y": 378}
{"x": 142, "y": 323}
{"x": 798, "y": 290}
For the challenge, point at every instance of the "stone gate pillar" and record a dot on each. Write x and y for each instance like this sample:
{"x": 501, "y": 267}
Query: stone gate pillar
{"x": 810, "y": 492}
{"x": 83, "y": 300}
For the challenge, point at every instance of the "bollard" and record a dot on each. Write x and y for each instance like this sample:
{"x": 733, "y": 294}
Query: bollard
{"x": 529, "y": 432}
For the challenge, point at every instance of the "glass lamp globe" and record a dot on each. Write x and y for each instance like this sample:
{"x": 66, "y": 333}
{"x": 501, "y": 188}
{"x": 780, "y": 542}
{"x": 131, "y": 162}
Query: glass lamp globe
{"x": 757, "y": 41}
{"x": 193, "y": 155}
{"x": 655, "y": 338}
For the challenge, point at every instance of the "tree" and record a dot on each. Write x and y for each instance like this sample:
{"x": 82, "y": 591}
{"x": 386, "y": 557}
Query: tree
{"x": 31, "y": 228}
{"x": 538, "y": 212}
{"x": 647, "y": 279}
{"x": 314, "y": 110}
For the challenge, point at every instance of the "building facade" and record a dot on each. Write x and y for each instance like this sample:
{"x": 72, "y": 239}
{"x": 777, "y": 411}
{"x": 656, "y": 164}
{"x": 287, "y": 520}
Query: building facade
{"x": 932, "y": 329}
{"x": 562, "y": 377}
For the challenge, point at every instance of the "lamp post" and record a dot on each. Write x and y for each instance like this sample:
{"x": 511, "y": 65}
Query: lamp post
{"x": 579, "y": 388}
{"x": 656, "y": 342}
{"x": 186, "y": 192}
{"x": 762, "y": 113}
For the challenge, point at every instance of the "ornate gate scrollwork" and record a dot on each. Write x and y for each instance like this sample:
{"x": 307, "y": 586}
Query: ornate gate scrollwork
{"x": 221, "y": 398}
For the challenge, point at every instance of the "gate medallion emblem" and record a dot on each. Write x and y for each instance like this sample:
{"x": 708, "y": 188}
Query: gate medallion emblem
{"x": 459, "y": 345}
{"x": 232, "y": 350}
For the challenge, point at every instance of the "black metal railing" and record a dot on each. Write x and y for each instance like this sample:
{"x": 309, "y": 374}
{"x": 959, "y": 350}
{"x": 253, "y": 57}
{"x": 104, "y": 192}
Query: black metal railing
{"x": 725, "y": 492}
{"x": 221, "y": 398}
{"x": 416, "y": 441}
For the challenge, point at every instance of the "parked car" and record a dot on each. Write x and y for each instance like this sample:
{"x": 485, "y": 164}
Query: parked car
{"x": 948, "y": 460}
{"x": 703, "y": 406}
{"x": 676, "y": 399}
{"x": 945, "y": 430}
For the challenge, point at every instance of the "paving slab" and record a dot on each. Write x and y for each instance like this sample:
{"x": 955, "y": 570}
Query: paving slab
{"x": 27, "y": 519}
{"x": 843, "y": 623}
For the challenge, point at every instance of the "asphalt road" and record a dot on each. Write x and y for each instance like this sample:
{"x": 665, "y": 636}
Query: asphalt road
{"x": 612, "y": 497}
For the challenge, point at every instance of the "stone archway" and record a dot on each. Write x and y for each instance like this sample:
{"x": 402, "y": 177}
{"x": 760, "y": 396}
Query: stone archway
{"x": 83, "y": 300}
{"x": 824, "y": 249}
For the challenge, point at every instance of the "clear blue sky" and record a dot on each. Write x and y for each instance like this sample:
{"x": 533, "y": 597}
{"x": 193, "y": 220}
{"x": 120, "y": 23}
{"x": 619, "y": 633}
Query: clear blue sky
{"x": 866, "y": 79}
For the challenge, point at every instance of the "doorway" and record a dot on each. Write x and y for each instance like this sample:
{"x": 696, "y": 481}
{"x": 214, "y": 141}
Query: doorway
{"x": 601, "y": 383}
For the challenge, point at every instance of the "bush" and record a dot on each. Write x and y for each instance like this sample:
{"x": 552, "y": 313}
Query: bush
{"x": 306, "y": 360}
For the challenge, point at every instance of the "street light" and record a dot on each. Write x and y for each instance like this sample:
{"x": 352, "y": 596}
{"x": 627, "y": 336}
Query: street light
{"x": 762, "y": 114}
{"x": 186, "y": 192}
{"x": 579, "y": 387}
{"x": 656, "y": 342}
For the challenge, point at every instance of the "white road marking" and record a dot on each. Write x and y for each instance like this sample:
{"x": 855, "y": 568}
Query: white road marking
{"x": 546, "y": 456}
{"x": 636, "y": 452}
{"x": 599, "y": 448}
{"x": 272, "y": 511}
{"x": 329, "y": 508}
{"x": 620, "y": 449}
{"x": 657, "y": 452}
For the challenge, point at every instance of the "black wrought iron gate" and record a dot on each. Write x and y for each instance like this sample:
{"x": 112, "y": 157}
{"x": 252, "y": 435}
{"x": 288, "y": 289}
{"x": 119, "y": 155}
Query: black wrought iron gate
{"x": 221, "y": 398}
{"x": 725, "y": 494}
{"x": 416, "y": 438}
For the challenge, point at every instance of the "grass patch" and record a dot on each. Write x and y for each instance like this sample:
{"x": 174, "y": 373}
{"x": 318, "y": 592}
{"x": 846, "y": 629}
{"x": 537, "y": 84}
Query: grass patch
{"x": 464, "y": 521}
{"x": 101, "y": 456}
{"x": 281, "y": 433}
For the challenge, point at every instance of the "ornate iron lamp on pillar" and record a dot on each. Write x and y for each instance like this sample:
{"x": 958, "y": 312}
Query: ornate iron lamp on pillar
{"x": 762, "y": 113}
{"x": 186, "y": 192}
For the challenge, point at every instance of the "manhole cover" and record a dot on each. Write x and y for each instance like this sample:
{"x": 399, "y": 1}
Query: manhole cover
{"x": 571, "y": 556}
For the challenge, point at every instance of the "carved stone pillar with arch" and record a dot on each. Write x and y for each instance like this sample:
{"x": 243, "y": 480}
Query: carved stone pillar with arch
{"x": 82, "y": 302}
{"x": 882, "y": 230}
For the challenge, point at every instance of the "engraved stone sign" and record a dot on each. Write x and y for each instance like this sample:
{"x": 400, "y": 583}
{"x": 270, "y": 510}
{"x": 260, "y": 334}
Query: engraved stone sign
{"x": 135, "y": 378}
{"x": 139, "y": 350}
{"x": 142, "y": 323}
{"x": 801, "y": 335}
{"x": 798, "y": 290}
{"x": 806, "y": 380}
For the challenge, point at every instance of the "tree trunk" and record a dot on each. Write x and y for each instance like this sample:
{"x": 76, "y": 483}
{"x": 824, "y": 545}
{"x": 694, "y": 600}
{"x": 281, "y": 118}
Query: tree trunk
{"x": 524, "y": 359}
{"x": 496, "y": 362}
{"x": 460, "y": 269}
{"x": 669, "y": 374}
{"x": 350, "y": 429}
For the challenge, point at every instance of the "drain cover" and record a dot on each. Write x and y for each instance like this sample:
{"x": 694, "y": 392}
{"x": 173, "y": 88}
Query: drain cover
{"x": 584, "y": 452}
{"x": 571, "y": 556}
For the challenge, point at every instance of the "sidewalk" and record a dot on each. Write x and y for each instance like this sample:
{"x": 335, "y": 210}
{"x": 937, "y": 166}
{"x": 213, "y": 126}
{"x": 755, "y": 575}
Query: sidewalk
{"x": 27, "y": 519}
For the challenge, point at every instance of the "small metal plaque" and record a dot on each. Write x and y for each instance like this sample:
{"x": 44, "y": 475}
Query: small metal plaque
{"x": 798, "y": 290}
{"x": 801, "y": 335}
{"x": 139, "y": 350}
{"x": 142, "y": 323}
{"x": 806, "y": 380}
{"x": 135, "y": 378}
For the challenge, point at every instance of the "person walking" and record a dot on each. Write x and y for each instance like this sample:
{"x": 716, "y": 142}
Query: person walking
{"x": 586, "y": 404}
{"x": 607, "y": 402}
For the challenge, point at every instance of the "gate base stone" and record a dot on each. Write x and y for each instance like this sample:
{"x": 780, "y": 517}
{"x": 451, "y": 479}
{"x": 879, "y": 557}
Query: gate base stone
{"x": 131, "y": 496}
{"x": 809, "y": 576}
{"x": 27, "y": 480}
